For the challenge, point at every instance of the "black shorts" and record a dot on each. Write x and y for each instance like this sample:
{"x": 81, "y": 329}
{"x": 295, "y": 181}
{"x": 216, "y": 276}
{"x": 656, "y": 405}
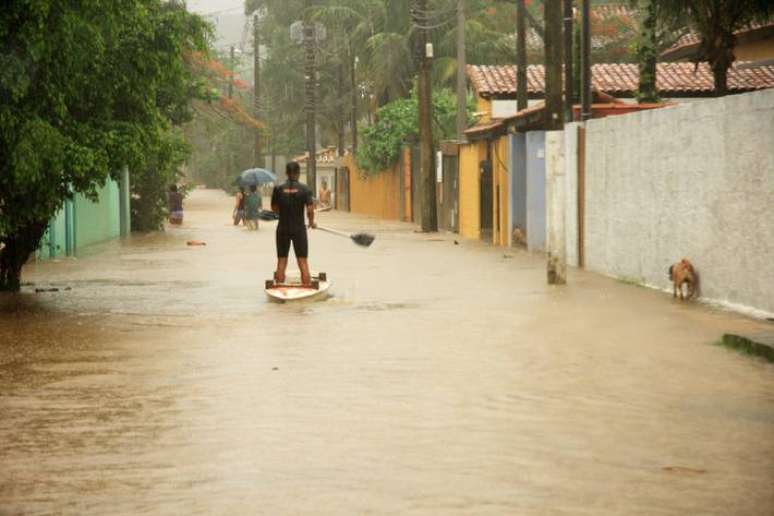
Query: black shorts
{"x": 300, "y": 242}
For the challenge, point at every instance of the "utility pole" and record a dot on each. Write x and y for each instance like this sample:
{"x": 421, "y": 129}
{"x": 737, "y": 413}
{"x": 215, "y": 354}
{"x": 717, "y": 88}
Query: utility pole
{"x": 310, "y": 101}
{"x": 257, "y": 158}
{"x": 462, "y": 91}
{"x": 586, "y": 60}
{"x": 521, "y": 55}
{"x": 424, "y": 51}
{"x": 554, "y": 107}
{"x": 341, "y": 118}
{"x": 568, "y": 75}
{"x": 229, "y": 149}
{"x": 554, "y": 123}
{"x": 353, "y": 86}
{"x": 231, "y": 75}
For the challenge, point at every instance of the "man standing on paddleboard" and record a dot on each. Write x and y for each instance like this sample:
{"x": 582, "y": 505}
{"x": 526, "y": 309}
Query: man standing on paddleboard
{"x": 289, "y": 200}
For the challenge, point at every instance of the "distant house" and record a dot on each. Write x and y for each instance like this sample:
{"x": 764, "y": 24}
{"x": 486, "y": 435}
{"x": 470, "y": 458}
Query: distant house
{"x": 329, "y": 165}
{"x": 495, "y": 85}
{"x": 754, "y": 45}
{"x": 502, "y": 166}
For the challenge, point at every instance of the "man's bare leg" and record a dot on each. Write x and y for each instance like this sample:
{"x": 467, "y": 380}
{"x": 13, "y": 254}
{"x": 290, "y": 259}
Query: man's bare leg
{"x": 279, "y": 274}
{"x": 303, "y": 266}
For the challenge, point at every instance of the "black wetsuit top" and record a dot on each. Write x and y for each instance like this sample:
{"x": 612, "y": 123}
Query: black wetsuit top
{"x": 292, "y": 198}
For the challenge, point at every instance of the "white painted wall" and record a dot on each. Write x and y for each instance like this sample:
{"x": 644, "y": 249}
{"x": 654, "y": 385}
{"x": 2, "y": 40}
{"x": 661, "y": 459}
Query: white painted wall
{"x": 695, "y": 181}
{"x": 571, "y": 191}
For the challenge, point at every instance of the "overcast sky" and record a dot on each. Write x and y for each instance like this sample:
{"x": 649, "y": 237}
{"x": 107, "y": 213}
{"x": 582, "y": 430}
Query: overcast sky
{"x": 210, "y": 6}
{"x": 227, "y": 15}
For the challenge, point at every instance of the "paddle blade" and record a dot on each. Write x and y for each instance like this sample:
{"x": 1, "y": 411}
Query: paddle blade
{"x": 363, "y": 239}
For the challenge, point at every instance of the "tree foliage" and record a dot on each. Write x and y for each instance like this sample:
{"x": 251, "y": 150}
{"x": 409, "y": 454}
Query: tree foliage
{"x": 86, "y": 87}
{"x": 397, "y": 125}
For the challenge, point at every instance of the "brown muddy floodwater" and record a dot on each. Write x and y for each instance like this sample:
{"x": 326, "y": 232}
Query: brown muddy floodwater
{"x": 439, "y": 379}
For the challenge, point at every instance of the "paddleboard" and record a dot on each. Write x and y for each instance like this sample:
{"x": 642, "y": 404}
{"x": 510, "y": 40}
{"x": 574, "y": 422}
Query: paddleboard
{"x": 293, "y": 290}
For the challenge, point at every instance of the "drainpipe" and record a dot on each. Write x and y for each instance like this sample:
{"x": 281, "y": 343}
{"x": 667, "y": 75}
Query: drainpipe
{"x": 52, "y": 238}
{"x": 124, "y": 207}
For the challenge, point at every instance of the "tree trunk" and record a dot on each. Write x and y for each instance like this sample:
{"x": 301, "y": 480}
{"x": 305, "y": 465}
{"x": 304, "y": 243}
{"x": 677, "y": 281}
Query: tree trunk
{"x": 647, "y": 53}
{"x": 15, "y": 254}
{"x": 721, "y": 57}
{"x": 720, "y": 74}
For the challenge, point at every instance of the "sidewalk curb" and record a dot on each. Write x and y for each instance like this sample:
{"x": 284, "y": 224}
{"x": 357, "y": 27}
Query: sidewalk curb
{"x": 760, "y": 345}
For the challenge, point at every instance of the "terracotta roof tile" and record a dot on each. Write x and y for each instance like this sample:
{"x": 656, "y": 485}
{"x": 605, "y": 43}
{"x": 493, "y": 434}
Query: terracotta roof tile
{"x": 688, "y": 43}
{"x": 623, "y": 78}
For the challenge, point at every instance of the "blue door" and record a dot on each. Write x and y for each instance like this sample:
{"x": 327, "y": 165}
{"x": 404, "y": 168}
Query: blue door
{"x": 536, "y": 190}
{"x": 519, "y": 188}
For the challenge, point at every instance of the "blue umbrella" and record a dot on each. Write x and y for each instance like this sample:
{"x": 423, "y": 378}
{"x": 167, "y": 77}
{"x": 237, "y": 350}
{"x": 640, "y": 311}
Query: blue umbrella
{"x": 256, "y": 176}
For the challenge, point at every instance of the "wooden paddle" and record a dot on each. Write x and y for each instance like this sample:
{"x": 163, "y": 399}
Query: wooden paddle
{"x": 361, "y": 239}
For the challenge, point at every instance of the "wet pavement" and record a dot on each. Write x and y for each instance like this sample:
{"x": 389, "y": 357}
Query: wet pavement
{"x": 438, "y": 379}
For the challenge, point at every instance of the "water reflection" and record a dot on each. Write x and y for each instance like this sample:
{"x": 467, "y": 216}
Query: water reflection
{"x": 440, "y": 379}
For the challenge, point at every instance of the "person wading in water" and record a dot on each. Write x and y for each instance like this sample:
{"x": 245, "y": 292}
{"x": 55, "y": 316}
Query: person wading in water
{"x": 289, "y": 200}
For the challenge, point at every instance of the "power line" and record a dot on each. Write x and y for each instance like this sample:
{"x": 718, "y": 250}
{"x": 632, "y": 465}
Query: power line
{"x": 222, "y": 11}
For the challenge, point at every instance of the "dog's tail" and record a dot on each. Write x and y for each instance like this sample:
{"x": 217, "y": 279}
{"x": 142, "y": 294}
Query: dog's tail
{"x": 671, "y": 267}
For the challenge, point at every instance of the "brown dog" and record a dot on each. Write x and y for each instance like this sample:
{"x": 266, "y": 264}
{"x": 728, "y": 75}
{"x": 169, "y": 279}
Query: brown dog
{"x": 682, "y": 273}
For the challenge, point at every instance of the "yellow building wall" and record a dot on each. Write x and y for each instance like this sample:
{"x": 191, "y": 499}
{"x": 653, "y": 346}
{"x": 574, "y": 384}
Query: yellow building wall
{"x": 374, "y": 194}
{"x": 484, "y": 107}
{"x": 501, "y": 188}
{"x": 469, "y": 204}
{"x": 755, "y": 51}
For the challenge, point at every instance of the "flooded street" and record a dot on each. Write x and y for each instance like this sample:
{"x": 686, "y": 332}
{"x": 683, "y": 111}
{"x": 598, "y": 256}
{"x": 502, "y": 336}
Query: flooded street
{"x": 438, "y": 379}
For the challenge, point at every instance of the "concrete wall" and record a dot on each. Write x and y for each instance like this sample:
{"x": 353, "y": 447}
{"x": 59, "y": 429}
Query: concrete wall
{"x": 375, "y": 194}
{"x": 695, "y": 181}
{"x": 536, "y": 191}
{"x": 571, "y": 191}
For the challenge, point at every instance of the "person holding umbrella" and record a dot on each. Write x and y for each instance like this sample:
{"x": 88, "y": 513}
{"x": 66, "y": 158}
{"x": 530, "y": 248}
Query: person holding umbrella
{"x": 239, "y": 206}
{"x": 252, "y": 207}
{"x": 289, "y": 200}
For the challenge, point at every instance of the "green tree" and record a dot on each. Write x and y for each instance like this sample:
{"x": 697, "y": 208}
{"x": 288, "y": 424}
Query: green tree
{"x": 86, "y": 87}
{"x": 397, "y": 124}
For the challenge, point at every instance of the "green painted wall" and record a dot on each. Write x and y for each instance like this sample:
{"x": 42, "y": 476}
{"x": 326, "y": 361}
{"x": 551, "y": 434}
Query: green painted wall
{"x": 97, "y": 221}
{"x": 93, "y": 222}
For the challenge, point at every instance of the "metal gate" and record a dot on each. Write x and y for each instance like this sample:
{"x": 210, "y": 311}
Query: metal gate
{"x": 342, "y": 189}
{"x": 416, "y": 204}
{"x": 448, "y": 202}
{"x": 485, "y": 189}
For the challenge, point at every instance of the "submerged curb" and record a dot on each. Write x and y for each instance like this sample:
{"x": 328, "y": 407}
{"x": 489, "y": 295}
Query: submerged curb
{"x": 760, "y": 345}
